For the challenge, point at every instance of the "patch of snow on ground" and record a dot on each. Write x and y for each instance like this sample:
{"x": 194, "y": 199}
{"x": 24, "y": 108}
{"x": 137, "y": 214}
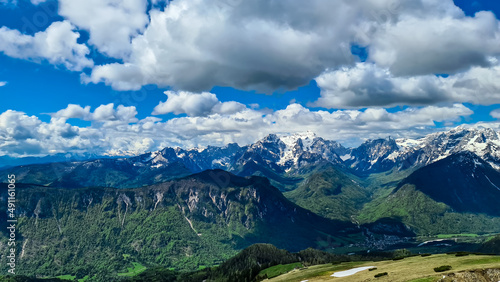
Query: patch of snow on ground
{"x": 350, "y": 271}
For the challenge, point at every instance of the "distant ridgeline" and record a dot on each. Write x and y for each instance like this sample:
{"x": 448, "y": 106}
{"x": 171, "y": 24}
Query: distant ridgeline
{"x": 182, "y": 210}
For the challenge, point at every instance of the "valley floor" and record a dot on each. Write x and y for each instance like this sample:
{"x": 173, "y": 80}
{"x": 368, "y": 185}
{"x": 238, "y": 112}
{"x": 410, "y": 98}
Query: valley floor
{"x": 415, "y": 269}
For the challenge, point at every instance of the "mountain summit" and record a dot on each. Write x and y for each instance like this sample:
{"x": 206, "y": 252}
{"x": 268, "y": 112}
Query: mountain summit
{"x": 274, "y": 156}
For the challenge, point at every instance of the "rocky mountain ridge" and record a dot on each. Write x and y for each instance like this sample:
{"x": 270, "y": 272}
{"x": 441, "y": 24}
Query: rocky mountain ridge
{"x": 277, "y": 155}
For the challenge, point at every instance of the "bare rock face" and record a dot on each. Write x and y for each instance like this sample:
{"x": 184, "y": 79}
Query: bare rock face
{"x": 478, "y": 275}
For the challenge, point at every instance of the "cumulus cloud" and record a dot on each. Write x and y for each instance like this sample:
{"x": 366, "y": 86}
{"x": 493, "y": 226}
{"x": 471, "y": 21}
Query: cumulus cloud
{"x": 436, "y": 44}
{"x": 194, "y": 45}
{"x": 57, "y": 44}
{"x": 115, "y": 130}
{"x": 3, "y": 83}
{"x": 73, "y": 111}
{"x": 196, "y": 104}
{"x": 371, "y": 123}
{"x": 106, "y": 115}
{"x": 367, "y": 85}
{"x": 111, "y": 23}
{"x": 495, "y": 113}
{"x": 268, "y": 45}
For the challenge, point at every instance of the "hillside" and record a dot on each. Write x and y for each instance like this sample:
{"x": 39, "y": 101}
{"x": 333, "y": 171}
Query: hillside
{"x": 491, "y": 246}
{"x": 118, "y": 173}
{"x": 454, "y": 195}
{"x": 330, "y": 193}
{"x": 193, "y": 222}
{"x": 414, "y": 269}
{"x": 462, "y": 181}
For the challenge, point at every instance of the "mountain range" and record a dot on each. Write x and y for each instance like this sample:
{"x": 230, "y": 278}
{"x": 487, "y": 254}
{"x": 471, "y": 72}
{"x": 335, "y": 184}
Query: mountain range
{"x": 282, "y": 159}
{"x": 193, "y": 208}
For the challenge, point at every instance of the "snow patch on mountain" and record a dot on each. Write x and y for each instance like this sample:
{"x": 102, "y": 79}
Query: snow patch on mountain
{"x": 295, "y": 145}
{"x": 291, "y": 140}
{"x": 484, "y": 142}
{"x": 285, "y": 153}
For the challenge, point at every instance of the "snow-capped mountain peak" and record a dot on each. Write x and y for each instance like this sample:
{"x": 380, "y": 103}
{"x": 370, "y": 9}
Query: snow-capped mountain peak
{"x": 484, "y": 142}
{"x": 287, "y": 153}
{"x": 307, "y": 139}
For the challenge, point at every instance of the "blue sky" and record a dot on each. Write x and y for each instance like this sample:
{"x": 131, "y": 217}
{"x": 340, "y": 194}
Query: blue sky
{"x": 237, "y": 71}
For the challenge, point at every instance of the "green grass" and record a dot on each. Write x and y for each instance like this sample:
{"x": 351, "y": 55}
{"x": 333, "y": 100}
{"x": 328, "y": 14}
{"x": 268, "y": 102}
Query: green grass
{"x": 72, "y": 277}
{"x": 132, "y": 271}
{"x": 445, "y": 236}
{"x": 279, "y": 269}
{"x": 426, "y": 279}
{"x": 66, "y": 277}
{"x": 314, "y": 271}
{"x": 484, "y": 260}
{"x": 415, "y": 269}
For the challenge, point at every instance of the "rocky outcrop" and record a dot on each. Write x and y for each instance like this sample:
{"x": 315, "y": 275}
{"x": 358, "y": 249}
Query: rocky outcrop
{"x": 478, "y": 275}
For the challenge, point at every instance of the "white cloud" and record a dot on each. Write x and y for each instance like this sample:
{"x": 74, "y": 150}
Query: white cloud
{"x": 265, "y": 45}
{"x": 117, "y": 131}
{"x": 111, "y": 23}
{"x": 495, "y": 113}
{"x": 228, "y": 108}
{"x": 73, "y": 111}
{"x": 105, "y": 115}
{"x": 366, "y": 85}
{"x": 196, "y": 104}
{"x": 3, "y": 83}
{"x": 57, "y": 44}
{"x": 194, "y": 45}
{"x": 372, "y": 123}
{"x": 188, "y": 103}
{"x": 120, "y": 76}
{"x": 435, "y": 43}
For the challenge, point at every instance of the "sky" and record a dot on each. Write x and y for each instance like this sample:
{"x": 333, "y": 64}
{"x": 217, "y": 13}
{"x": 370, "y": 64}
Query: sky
{"x": 124, "y": 77}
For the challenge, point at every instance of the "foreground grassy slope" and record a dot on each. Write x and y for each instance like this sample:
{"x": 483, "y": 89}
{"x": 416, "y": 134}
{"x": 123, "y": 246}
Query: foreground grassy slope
{"x": 408, "y": 269}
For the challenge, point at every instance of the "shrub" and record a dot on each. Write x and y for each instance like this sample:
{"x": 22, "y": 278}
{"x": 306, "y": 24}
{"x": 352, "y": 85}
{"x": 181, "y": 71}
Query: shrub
{"x": 442, "y": 268}
{"x": 372, "y": 269}
{"x": 462, "y": 254}
{"x": 401, "y": 253}
{"x": 399, "y": 258}
{"x": 380, "y": 274}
